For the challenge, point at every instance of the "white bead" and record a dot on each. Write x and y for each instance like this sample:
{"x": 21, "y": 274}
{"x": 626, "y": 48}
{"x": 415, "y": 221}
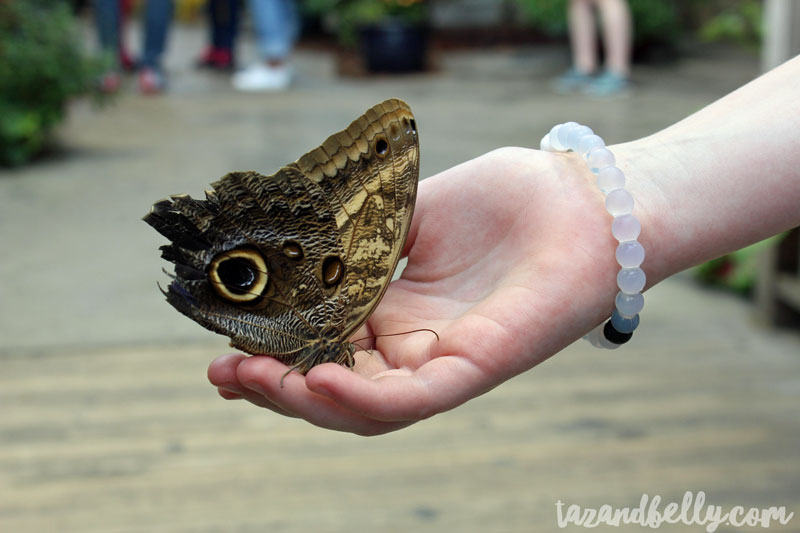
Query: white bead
{"x": 631, "y": 280}
{"x": 557, "y": 146}
{"x": 626, "y": 228}
{"x": 619, "y": 202}
{"x": 610, "y": 178}
{"x": 600, "y": 158}
{"x": 545, "y": 144}
{"x": 589, "y": 142}
{"x": 565, "y": 131}
{"x": 576, "y": 134}
{"x": 629, "y": 305}
{"x": 630, "y": 254}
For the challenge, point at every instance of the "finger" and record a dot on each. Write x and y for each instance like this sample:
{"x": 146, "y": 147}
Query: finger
{"x": 437, "y": 386}
{"x": 263, "y": 376}
{"x": 228, "y": 395}
{"x": 222, "y": 373}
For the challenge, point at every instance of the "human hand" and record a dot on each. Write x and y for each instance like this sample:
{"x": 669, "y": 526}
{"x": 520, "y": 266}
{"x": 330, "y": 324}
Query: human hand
{"x": 510, "y": 259}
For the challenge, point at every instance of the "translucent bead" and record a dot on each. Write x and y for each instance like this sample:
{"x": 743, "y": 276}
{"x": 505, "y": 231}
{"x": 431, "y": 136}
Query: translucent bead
{"x": 545, "y": 144}
{"x": 575, "y": 136}
{"x": 631, "y": 280}
{"x": 624, "y": 324}
{"x": 565, "y": 131}
{"x": 589, "y": 142}
{"x": 610, "y": 178}
{"x": 629, "y": 305}
{"x": 619, "y": 202}
{"x": 600, "y": 158}
{"x": 598, "y": 339}
{"x": 594, "y": 336}
{"x": 557, "y": 146}
{"x": 630, "y": 254}
{"x": 626, "y": 228}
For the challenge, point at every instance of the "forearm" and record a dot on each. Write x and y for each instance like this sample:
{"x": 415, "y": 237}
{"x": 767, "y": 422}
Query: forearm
{"x": 721, "y": 179}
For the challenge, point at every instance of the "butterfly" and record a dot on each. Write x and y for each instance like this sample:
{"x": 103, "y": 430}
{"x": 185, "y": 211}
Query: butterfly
{"x": 292, "y": 264}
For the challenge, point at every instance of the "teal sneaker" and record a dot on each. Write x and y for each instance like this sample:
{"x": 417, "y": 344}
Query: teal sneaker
{"x": 608, "y": 84}
{"x": 572, "y": 81}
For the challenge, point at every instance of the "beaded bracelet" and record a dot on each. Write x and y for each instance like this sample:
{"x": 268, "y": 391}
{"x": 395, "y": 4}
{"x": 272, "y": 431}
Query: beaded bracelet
{"x": 572, "y": 136}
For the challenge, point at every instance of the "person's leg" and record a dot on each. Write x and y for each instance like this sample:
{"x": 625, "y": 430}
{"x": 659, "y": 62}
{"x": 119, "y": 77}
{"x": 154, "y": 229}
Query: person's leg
{"x": 107, "y": 20}
{"x": 226, "y": 24}
{"x": 617, "y": 29}
{"x": 276, "y": 26}
{"x": 582, "y": 36}
{"x": 157, "y": 19}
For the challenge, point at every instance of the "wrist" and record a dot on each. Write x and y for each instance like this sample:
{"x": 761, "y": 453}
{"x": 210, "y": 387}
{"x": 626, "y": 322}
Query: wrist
{"x": 643, "y": 166}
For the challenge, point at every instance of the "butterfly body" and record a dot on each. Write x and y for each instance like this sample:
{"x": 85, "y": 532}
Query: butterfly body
{"x": 292, "y": 264}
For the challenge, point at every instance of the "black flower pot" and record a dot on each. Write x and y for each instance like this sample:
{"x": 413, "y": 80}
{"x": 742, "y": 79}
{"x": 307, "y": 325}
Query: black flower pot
{"x": 394, "y": 46}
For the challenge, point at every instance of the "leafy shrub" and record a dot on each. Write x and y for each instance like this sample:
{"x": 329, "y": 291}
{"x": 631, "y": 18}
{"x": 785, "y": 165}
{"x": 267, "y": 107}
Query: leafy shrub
{"x": 41, "y": 66}
{"x": 349, "y": 15}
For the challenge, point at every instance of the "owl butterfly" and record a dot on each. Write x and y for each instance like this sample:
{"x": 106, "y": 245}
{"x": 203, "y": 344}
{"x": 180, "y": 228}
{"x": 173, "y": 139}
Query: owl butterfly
{"x": 292, "y": 264}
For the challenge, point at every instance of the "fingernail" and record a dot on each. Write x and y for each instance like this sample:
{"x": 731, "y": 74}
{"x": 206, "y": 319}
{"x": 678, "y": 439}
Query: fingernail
{"x": 231, "y": 388}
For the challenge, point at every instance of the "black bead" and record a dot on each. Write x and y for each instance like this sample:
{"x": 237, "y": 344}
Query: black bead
{"x": 612, "y": 335}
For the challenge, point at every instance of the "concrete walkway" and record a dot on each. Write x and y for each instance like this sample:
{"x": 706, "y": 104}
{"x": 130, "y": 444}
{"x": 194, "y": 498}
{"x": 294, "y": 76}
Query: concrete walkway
{"x": 108, "y": 423}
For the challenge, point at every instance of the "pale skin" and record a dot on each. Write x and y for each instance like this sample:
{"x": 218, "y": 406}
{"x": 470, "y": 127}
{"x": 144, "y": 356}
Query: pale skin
{"x": 511, "y": 259}
{"x": 616, "y": 30}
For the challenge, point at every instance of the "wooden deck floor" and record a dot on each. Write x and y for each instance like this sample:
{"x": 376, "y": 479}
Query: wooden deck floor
{"x": 135, "y": 439}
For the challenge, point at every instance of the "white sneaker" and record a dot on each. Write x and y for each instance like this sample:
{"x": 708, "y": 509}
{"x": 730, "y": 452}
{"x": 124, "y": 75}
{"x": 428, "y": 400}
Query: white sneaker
{"x": 262, "y": 77}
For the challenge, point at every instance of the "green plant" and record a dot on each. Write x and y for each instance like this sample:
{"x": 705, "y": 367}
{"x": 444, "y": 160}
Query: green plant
{"x": 742, "y": 22}
{"x": 41, "y": 66}
{"x": 349, "y": 15}
{"x": 653, "y": 20}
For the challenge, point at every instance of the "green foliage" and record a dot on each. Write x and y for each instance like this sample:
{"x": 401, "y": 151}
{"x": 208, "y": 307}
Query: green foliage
{"x": 653, "y": 20}
{"x": 737, "y": 271}
{"x": 41, "y": 67}
{"x": 349, "y": 15}
{"x": 743, "y": 23}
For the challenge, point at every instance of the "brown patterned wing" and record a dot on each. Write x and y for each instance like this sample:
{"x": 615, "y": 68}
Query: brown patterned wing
{"x": 369, "y": 172}
{"x": 291, "y": 264}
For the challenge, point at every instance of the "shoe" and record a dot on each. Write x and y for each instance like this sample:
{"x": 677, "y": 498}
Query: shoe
{"x": 571, "y": 81}
{"x": 151, "y": 81}
{"x": 110, "y": 82}
{"x": 261, "y": 77}
{"x": 216, "y": 59}
{"x": 608, "y": 84}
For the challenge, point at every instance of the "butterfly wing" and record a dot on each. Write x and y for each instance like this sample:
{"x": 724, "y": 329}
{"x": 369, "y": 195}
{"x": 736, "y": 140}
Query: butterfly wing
{"x": 370, "y": 172}
{"x": 291, "y": 264}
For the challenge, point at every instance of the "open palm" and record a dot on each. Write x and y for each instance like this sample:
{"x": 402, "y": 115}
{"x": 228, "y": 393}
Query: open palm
{"x": 510, "y": 259}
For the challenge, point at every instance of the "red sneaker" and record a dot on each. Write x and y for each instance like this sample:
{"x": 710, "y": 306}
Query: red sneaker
{"x": 151, "y": 81}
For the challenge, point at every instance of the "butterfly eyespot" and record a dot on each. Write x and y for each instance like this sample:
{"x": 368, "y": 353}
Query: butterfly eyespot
{"x": 292, "y": 250}
{"x": 332, "y": 271}
{"x": 394, "y": 131}
{"x": 410, "y": 125}
{"x": 381, "y": 147}
{"x": 239, "y": 276}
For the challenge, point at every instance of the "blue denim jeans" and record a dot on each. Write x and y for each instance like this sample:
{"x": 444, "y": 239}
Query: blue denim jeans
{"x": 276, "y": 24}
{"x": 157, "y": 18}
{"x": 223, "y": 16}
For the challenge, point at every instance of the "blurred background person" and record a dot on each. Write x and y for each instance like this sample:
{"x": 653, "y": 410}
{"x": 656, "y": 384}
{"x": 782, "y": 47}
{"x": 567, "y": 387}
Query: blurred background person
{"x": 616, "y": 29}
{"x": 276, "y": 25}
{"x": 157, "y": 19}
{"x": 223, "y": 25}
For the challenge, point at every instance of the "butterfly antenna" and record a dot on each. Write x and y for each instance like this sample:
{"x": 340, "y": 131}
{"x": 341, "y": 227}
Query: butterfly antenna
{"x": 401, "y": 333}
